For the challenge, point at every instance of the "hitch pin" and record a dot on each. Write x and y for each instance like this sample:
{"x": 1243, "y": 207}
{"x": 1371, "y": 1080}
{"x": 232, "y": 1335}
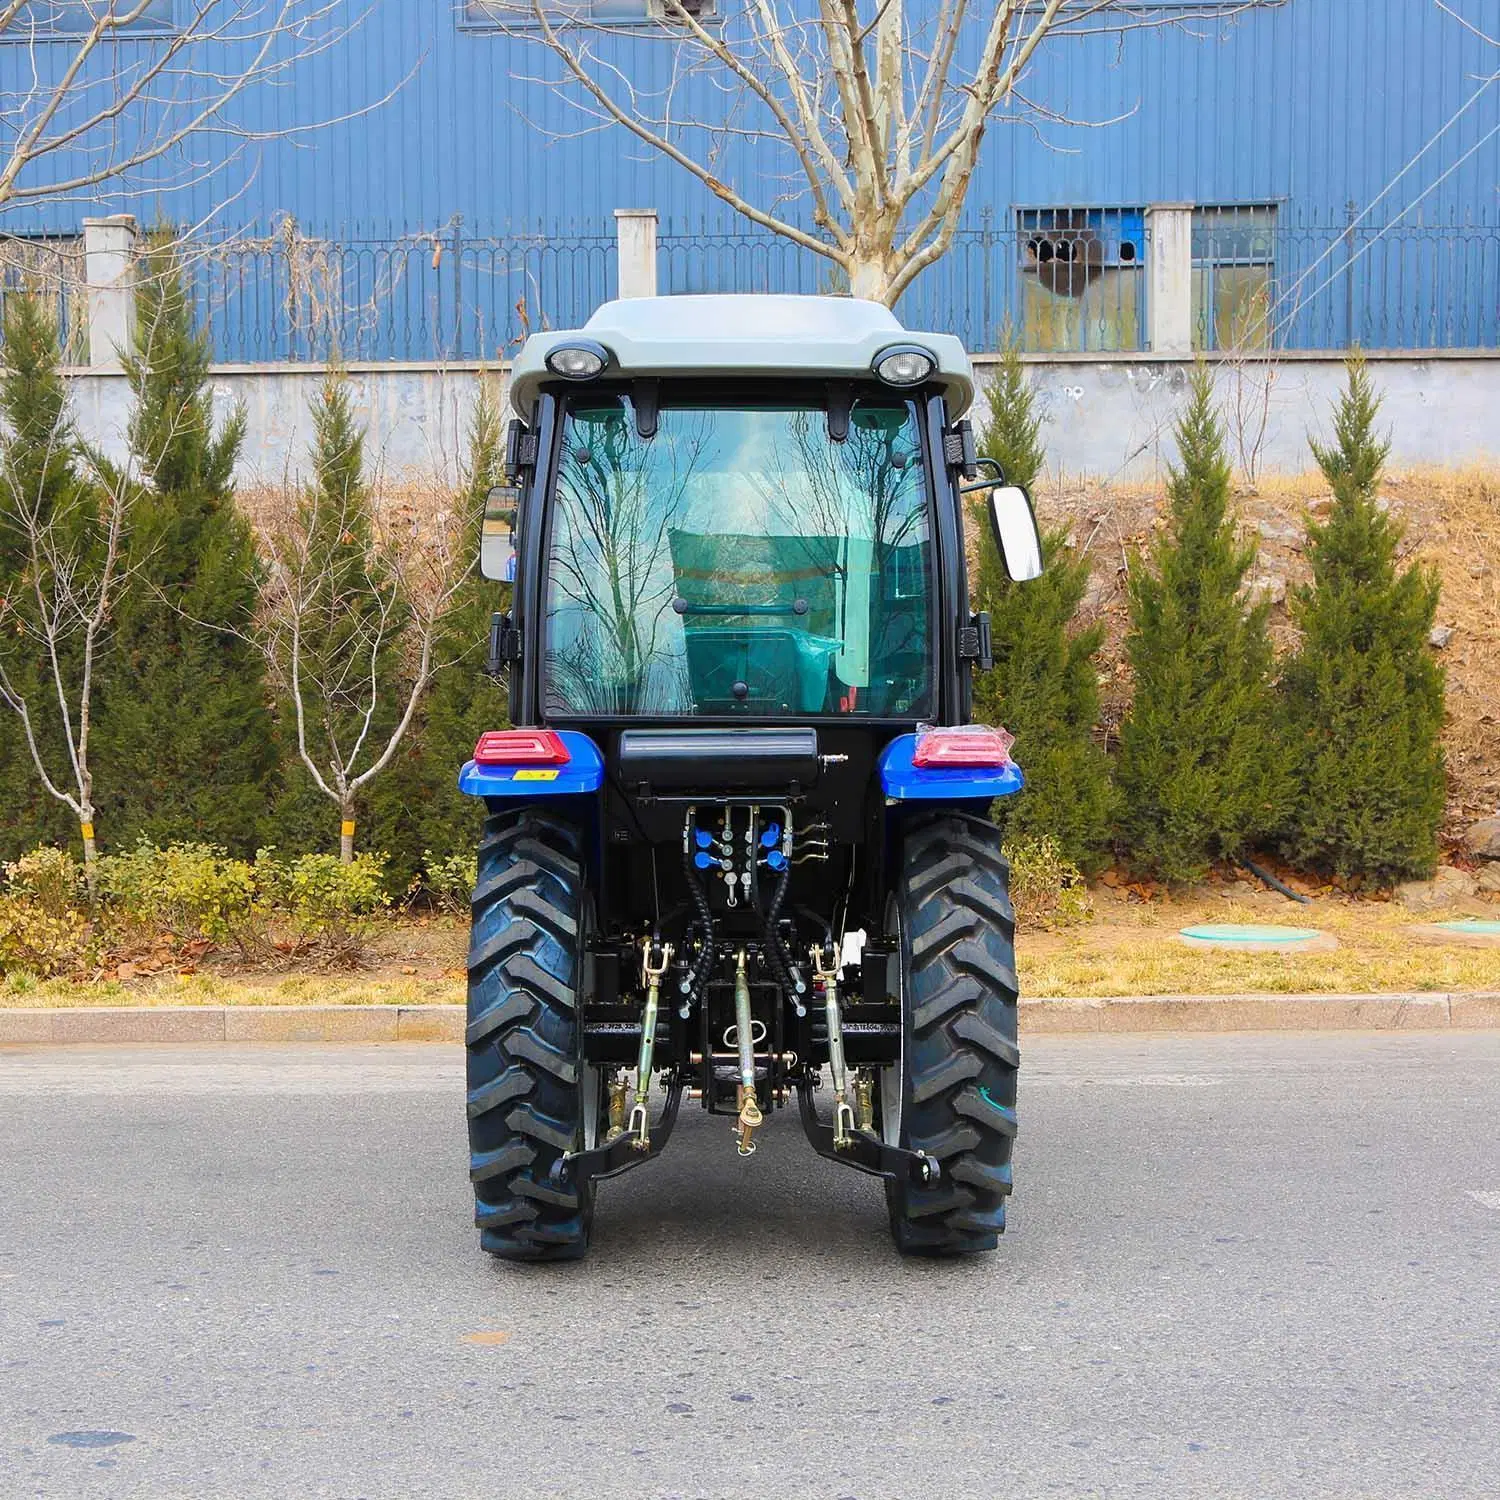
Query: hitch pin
{"x": 750, "y": 1116}
{"x": 651, "y": 975}
{"x": 843, "y": 1115}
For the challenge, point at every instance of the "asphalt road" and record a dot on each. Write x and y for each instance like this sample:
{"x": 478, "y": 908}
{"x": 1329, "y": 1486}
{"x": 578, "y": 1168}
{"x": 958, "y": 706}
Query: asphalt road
{"x": 1239, "y": 1266}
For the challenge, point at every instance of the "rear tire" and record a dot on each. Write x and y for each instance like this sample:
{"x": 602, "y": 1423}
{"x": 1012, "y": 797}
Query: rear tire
{"x": 526, "y": 1077}
{"x": 959, "y": 1056}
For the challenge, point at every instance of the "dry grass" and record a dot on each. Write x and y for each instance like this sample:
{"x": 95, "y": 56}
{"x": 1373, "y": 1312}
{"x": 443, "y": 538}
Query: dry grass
{"x": 1133, "y": 950}
{"x": 234, "y": 989}
{"x": 1130, "y": 950}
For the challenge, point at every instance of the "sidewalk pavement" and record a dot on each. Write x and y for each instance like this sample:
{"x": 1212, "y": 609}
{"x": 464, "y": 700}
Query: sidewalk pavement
{"x": 445, "y": 1023}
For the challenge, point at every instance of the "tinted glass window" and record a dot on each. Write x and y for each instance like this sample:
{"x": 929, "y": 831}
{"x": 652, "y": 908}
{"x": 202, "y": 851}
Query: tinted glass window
{"x": 739, "y": 562}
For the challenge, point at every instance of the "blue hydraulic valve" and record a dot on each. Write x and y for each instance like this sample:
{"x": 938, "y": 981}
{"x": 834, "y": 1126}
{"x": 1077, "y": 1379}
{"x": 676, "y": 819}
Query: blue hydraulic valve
{"x": 776, "y": 860}
{"x": 771, "y": 837}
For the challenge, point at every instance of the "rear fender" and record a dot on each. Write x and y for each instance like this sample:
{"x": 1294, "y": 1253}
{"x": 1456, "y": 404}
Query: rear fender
{"x": 971, "y": 787}
{"x": 582, "y": 775}
{"x": 913, "y": 792}
{"x": 571, "y": 789}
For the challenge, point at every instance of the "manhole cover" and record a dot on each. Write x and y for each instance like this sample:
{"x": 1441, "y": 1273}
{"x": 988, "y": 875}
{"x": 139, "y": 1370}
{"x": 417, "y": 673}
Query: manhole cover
{"x": 1466, "y": 932}
{"x": 1253, "y": 936}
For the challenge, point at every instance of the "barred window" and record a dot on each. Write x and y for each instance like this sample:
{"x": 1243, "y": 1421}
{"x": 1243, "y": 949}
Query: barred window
{"x": 1081, "y": 282}
{"x": 65, "y": 18}
{"x": 1234, "y": 264}
{"x": 503, "y": 13}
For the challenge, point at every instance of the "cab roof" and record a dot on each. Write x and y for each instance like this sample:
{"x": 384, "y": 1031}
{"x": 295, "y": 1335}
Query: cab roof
{"x": 772, "y": 334}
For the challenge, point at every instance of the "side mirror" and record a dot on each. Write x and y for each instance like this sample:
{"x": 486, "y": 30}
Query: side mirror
{"x": 1016, "y": 536}
{"x": 497, "y": 534}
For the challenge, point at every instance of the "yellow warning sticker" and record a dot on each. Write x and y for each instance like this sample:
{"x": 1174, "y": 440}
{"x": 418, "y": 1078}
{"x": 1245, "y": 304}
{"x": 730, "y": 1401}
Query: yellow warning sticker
{"x": 347, "y": 829}
{"x": 535, "y": 775}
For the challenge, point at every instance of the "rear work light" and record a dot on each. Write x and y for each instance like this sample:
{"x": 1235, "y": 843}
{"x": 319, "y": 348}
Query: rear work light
{"x": 969, "y": 745}
{"x": 581, "y": 361}
{"x": 521, "y": 747}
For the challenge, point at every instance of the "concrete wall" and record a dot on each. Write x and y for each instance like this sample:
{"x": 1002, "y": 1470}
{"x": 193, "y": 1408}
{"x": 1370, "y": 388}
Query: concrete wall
{"x": 1113, "y": 420}
{"x": 416, "y": 416}
{"x": 1105, "y": 419}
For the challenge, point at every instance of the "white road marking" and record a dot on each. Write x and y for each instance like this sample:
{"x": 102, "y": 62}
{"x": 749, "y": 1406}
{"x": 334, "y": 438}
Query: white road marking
{"x": 1129, "y": 1081}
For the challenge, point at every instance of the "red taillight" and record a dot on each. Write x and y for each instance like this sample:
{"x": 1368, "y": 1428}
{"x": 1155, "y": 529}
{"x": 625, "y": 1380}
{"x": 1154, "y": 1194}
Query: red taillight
{"x": 521, "y": 747}
{"x": 972, "y": 745}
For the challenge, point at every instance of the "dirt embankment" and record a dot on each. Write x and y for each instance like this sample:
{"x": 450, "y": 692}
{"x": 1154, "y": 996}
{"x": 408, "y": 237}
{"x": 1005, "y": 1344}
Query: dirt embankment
{"x": 1451, "y": 519}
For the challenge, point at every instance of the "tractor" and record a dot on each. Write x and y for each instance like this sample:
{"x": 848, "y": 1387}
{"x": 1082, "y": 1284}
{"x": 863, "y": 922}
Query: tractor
{"x": 737, "y": 847}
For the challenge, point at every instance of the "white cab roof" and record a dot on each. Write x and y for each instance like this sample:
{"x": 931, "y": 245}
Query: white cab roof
{"x": 750, "y": 335}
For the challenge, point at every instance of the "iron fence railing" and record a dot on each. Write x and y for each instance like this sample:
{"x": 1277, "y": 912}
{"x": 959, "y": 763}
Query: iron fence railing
{"x": 52, "y": 266}
{"x": 434, "y": 295}
{"x": 1061, "y": 280}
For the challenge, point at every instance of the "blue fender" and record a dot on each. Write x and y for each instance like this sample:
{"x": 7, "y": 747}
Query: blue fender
{"x": 901, "y": 781}
{"x": 582, "y": 775}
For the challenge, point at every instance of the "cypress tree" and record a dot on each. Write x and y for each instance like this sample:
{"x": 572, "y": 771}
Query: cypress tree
{"x": 1012, "y": 434}
{"x": 1363, "y": 694}
{"x": 1044, "y": 687}
{"x": 1199, "y": 771}
{"x": 185, "y": 727}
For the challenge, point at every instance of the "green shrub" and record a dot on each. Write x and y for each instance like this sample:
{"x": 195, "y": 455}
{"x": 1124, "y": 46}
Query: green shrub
{"x": 1047, "y": 887}
{"x": 331, "y": 908}
{"x": 186, "y": 890}
{"x": 35, "y": 941}
{"x": 49, "y": 879}
{"x": 450, "y": 879}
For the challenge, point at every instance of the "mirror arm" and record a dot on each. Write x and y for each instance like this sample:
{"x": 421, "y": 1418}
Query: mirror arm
{"x": 984, "y": 484}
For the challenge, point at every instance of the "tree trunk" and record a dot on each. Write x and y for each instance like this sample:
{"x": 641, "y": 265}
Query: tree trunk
{"x": 90, "y": 854}
{"x": 870, "y": 277}
{"x": 346, "y": 835}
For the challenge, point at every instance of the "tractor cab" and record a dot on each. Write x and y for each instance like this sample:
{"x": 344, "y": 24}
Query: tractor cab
{"x": 739, "y": 649}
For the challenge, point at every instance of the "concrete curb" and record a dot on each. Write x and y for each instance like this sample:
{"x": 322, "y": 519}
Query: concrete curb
{"x": 96, "y": 1025}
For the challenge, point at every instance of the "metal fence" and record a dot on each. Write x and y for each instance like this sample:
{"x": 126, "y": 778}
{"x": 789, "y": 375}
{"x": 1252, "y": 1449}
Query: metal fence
{"x": 425, "y": 296}
{"x": 53, "y": 267}
{"x": 1061, "y": 280}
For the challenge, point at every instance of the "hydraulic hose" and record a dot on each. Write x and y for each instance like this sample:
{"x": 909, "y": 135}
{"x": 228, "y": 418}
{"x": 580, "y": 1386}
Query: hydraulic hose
{"x": 780, "y": 954}
{"x": 703, "y": 963}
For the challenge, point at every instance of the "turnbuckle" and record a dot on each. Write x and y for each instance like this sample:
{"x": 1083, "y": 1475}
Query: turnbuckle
{"x": 750, "y": 1117}
{"x": 651, "y": 976}
{"x": 825, "y": 968}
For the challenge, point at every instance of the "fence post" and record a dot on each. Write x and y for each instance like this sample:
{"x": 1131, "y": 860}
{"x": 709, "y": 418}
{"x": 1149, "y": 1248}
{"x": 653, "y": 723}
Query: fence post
{"x": 1169, "y": 294}
{"x": 635, "y": 240}
{"x": 109, "y": 262}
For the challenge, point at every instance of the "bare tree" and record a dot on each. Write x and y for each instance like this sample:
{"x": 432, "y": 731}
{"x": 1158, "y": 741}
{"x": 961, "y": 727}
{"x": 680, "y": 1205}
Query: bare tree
{"x": 94, "y": 91}
{"x": 352, "y": 612}
{"x": 67, "y": 545}
{"x": 878, "y": 107}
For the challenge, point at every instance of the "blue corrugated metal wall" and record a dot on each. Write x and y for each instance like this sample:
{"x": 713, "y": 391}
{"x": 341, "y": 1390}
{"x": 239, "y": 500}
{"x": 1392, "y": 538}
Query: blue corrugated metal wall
{"x": 1312, "y": 105}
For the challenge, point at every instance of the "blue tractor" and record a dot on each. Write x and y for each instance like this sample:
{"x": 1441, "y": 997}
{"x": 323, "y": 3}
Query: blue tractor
{"x": 737, "y": 839}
